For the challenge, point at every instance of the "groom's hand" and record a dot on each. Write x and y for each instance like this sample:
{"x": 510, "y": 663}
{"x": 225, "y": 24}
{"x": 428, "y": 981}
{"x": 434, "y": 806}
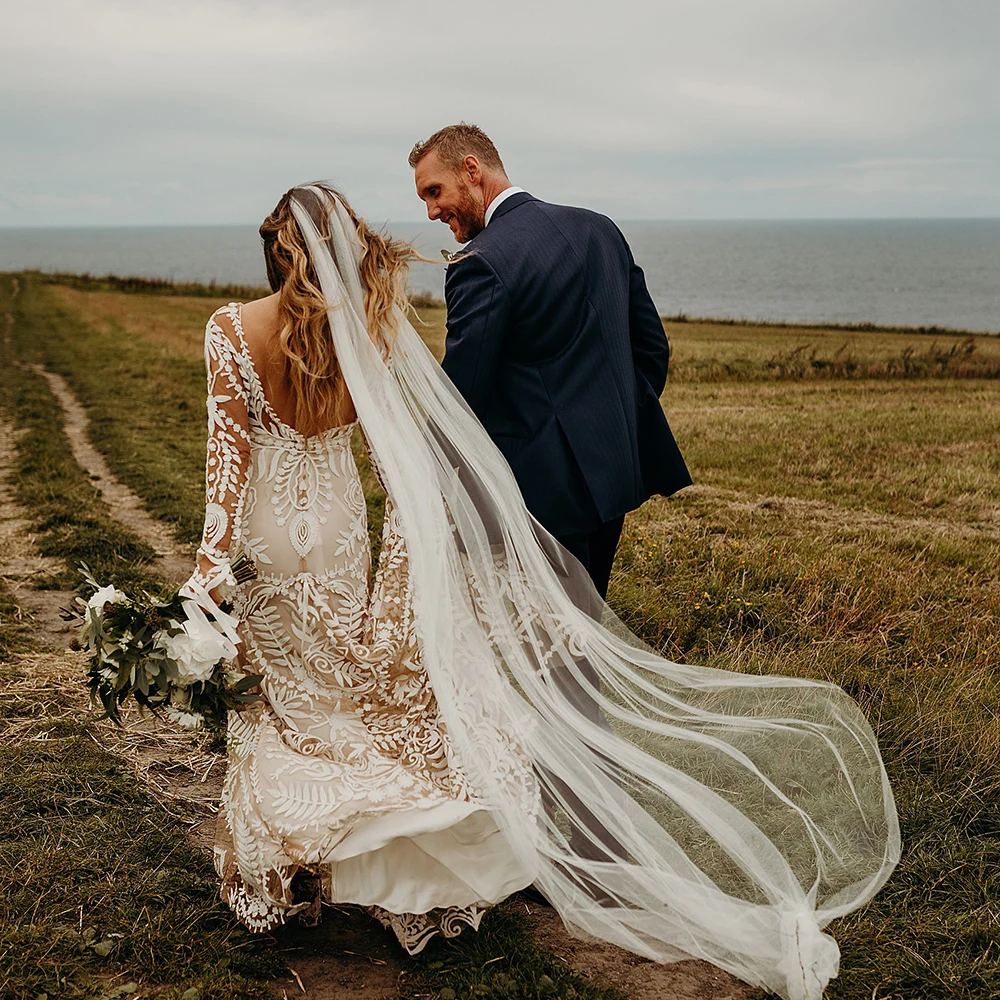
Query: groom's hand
{"x": 478, "y": 312}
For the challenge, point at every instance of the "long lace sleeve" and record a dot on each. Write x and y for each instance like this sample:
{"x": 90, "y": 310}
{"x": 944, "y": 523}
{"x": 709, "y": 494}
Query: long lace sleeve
{"x": 227, "y": 464}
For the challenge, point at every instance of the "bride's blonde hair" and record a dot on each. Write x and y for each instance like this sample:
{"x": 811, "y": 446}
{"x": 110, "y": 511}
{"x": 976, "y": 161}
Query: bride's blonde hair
{"x": 310, "y": 360}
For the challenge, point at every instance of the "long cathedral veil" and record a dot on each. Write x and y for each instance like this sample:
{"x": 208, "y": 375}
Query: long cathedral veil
{"x": 674, "y": 810}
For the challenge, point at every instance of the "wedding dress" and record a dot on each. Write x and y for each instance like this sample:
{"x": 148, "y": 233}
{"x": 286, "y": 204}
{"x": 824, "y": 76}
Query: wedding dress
{"x": 483, "y": 720}
{"x": 345, "y": 769}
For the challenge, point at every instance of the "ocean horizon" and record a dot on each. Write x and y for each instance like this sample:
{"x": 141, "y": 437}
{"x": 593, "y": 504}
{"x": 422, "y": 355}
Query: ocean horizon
{"x": 889, "y": 272}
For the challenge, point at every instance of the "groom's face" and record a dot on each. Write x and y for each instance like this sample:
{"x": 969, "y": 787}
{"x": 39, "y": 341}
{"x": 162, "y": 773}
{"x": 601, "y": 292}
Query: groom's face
{"x": 452, "y": 196}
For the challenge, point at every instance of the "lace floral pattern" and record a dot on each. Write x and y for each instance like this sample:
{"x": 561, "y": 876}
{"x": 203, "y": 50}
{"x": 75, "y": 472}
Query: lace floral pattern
{"x": 349, "y": 733}
{"x": 415, "y": 930}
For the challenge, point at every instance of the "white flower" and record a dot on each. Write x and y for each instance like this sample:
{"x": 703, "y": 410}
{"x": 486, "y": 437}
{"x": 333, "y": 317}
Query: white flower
{"x": 106, "y": 595}
{"x": 93, "y": 622}
{"x": 197, "y": 648}
{"x": 189, "y": 720}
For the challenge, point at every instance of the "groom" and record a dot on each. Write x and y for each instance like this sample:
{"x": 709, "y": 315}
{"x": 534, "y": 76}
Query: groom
{"x": 555, "y": 344}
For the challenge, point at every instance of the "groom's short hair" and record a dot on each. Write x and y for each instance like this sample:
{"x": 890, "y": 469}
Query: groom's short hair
{"x": 454, "y": 143}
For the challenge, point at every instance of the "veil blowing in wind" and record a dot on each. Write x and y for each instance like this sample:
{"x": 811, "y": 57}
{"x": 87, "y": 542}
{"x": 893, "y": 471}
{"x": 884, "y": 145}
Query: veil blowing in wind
{"x": 674, "y": 810}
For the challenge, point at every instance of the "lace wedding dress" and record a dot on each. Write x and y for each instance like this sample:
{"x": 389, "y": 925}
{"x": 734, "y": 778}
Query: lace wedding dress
{"x": 344, "y": 772}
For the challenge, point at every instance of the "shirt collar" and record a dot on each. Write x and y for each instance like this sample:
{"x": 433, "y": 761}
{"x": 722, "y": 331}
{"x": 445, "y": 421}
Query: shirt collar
{"x": 496, "y": 202}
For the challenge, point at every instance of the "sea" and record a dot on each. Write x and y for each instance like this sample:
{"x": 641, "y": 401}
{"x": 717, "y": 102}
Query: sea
{"x": 895, "y": 272}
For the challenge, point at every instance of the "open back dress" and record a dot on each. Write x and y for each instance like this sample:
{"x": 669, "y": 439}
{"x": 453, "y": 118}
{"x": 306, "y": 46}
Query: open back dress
{"x": 343, "y": 773}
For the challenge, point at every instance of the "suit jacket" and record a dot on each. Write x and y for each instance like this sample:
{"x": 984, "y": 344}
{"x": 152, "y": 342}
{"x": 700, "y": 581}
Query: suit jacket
{"x": 557, "y": 347}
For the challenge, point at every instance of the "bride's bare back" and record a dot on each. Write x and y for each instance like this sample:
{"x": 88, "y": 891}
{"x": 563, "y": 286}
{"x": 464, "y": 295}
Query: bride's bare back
{"x": 261, "y": 320}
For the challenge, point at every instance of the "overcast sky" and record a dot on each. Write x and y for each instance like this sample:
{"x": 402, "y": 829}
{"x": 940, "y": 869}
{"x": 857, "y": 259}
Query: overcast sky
{"x": 205, "y": 111}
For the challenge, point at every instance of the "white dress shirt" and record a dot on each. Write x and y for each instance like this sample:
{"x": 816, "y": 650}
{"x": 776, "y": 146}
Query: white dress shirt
{"x": 495, "y": 203}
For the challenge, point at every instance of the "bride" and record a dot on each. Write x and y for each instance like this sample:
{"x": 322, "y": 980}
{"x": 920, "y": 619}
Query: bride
{"x": 473, "y": 719}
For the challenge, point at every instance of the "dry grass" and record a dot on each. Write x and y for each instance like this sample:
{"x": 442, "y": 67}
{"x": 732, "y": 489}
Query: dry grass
{"x": 102, "y": 894}
{"x": 914, "y": 448}
{"x": 710, "y": 351}
{"x": 176, "y": 323}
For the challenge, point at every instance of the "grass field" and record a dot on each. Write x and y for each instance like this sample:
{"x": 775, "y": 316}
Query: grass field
{"x": 712, "y": 352}
{"x": 845, "y": 524}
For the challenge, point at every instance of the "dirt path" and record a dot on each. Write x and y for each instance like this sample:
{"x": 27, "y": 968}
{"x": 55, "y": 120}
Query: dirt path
{"x": 356, "y": 957}
{"x": 173, "y": 560}
{"x": 21, "y": 566}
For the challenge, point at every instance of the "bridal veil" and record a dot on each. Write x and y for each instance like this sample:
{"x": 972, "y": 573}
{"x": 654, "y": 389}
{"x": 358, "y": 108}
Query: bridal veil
{"x": 674, "y": 810}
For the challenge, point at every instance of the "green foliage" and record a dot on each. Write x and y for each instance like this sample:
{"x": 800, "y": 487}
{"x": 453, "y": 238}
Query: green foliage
{"x": 768, "y": 325}
{"x": 707, "y": 351}
{"x": 959, "y": 359}
{"x": 421, "y": 301}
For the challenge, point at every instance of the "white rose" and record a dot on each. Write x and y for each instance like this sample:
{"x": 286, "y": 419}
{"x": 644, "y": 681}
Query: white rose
{"x": 197, "y": 649}
{"x": 106, "y": 595}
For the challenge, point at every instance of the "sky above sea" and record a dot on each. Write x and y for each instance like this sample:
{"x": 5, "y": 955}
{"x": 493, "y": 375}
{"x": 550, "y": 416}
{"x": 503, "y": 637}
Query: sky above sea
{"x": 134, "y": 112}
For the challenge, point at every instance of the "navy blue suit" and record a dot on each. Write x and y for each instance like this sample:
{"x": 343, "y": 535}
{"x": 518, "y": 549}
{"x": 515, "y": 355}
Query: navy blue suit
{"x": 557, "y": 347}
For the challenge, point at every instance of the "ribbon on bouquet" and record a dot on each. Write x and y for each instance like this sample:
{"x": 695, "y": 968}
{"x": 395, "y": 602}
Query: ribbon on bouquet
{"x": 199, "y": 601}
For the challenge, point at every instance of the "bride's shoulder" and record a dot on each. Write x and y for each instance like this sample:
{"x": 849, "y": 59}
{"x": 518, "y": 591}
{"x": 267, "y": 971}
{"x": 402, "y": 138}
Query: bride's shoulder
{"x": 260, "y": 313}
{"x": 238, "y": 322}
{"x": 224, "y": 318}
{"x": 222, "y": 338}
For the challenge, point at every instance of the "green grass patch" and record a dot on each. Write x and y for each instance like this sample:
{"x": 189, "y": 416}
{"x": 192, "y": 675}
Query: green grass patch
{"x": 99, "y": 887}
{"x": 884, "y": 607}
{"x": 146, "y": 407}
{"x": 919, "y": 448}
{"x": 499, "y": 962}
{"x": 65, "y": 508}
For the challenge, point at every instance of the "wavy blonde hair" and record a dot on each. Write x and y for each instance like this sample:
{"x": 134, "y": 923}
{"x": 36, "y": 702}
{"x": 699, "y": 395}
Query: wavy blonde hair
{"x": 310, "y": 362}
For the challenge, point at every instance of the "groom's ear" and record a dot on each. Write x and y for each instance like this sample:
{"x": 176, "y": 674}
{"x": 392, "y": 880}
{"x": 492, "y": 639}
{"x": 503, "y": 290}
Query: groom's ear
{"x": 472, "y": 169}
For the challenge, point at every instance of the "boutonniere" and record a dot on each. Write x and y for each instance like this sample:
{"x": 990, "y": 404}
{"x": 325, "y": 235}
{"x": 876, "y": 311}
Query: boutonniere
{"x": 447, "y": 254}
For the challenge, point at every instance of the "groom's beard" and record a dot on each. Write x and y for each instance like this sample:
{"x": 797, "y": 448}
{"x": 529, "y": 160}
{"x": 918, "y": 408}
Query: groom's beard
{"x": 467, "y": 220}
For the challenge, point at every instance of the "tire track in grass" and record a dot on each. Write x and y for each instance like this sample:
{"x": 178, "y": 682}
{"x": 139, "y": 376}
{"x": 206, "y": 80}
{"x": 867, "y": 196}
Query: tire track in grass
{"x": 174, "y": 561}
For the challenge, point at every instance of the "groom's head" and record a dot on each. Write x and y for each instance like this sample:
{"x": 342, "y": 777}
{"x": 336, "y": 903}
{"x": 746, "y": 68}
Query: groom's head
{"x": 458, "y": 172}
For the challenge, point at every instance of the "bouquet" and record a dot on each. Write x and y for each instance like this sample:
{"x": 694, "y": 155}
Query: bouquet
{"x": 167, "y": 655}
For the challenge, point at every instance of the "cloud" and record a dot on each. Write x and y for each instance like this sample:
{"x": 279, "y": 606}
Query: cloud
{"x": 118, "y": 112}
